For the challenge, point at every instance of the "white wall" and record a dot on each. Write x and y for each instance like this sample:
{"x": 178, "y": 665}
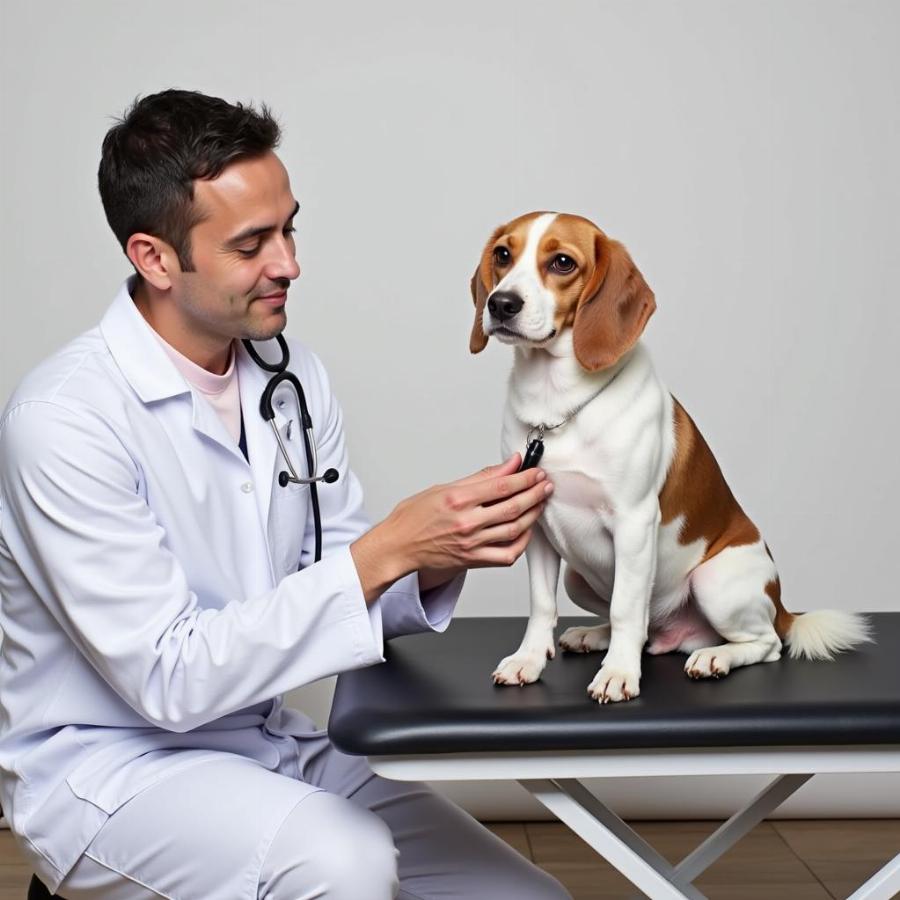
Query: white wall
{"x": 745, "y": 152}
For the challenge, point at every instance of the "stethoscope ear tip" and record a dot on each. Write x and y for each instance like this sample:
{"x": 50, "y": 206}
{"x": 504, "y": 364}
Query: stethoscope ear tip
{"x": 330, "y": 476}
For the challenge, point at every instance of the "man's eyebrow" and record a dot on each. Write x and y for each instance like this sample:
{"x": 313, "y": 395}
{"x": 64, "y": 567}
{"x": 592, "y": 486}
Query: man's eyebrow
{"x": 248, "y": 233}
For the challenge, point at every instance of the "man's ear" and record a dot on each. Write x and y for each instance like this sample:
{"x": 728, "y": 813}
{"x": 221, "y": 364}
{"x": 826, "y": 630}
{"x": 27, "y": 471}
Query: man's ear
{"x": 152, "y": 258}
{"x": 481, "y": 284}
{"x": 613, "y": 307}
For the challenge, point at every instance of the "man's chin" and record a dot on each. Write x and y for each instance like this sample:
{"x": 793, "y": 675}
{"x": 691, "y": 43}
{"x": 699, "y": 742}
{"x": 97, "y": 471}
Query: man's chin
{"x": 269, "y": 327}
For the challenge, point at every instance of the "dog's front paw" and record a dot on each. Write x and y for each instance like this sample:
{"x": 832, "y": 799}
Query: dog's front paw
{"x": 710, "y": 662}
{"x": 610, "y": 685}
{"x": 585, "y": 640}
{"x": 523, "y": 667}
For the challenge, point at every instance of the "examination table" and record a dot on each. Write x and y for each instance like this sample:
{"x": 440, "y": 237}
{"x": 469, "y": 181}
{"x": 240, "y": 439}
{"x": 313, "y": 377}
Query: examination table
{"x": 431, "y": 712}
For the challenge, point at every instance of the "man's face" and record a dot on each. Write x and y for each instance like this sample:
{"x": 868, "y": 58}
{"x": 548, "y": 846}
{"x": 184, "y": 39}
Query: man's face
{"x": 243, "y": 253}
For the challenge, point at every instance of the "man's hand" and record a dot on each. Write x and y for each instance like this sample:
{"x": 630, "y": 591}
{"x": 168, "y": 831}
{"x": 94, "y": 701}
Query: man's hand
{"x": 479, "y": 521}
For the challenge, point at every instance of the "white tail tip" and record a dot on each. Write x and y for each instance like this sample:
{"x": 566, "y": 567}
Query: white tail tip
{"x": 823, "y": 633}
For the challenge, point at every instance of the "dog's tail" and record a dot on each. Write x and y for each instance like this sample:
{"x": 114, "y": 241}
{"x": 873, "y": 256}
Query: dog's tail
{"x": 823, "y": 633}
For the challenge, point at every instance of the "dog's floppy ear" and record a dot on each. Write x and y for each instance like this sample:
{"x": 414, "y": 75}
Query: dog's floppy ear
{"x": 613, "y": 307}
{"x": 481, "y": 286}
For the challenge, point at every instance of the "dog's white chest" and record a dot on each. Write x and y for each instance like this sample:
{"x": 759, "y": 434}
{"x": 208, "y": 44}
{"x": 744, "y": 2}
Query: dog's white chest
{"x": 578, "y": 494}
{"x": 579, "y": 516}
{"x": 578, "y": 522}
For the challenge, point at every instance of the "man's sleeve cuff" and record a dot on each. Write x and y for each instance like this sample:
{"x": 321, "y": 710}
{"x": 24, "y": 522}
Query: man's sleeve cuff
{"x": 369, "y": 634}
{"x": 439, "y": 602}
{"x": 406, "y": 611}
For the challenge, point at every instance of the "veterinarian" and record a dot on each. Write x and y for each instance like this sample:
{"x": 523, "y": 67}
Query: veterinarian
{"x": 158, "y": 576}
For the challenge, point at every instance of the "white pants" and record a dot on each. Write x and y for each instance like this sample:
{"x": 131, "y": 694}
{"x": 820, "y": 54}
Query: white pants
{"x": 231, "y": 829}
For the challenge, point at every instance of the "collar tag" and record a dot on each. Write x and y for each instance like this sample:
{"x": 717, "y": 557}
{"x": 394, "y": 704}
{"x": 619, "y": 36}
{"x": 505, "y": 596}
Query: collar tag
{"x": 533, "y": 454}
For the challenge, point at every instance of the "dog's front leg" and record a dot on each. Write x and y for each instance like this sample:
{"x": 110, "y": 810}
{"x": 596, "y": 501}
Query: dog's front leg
{"x": 634, "y": 539}
{"x": 527, "y": 663}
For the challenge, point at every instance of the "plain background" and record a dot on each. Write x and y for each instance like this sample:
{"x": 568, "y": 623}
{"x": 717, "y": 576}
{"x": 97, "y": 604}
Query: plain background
{"x": 746, "y": 153}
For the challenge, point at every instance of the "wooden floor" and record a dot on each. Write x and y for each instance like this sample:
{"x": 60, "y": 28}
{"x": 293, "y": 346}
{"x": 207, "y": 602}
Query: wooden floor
{"x": 779, "y": 860}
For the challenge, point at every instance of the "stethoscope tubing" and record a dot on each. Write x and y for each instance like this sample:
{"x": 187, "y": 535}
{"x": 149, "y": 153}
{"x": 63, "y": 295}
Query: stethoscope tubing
{"x": 266, "y": 410}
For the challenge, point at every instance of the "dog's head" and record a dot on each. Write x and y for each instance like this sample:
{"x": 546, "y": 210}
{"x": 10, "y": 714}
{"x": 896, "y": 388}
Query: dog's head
{"x": 544, "y": 272}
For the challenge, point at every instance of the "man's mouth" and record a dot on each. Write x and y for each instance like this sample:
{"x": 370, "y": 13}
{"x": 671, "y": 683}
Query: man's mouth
{"x": 274, "y": 299}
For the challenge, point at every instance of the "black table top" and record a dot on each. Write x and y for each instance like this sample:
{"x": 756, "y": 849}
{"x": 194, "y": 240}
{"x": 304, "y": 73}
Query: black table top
{"x": 434, "y": 694}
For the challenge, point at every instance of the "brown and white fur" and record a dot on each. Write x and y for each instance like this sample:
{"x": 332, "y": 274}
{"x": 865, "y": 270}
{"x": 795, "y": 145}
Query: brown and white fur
{"x": 654, "y": 541}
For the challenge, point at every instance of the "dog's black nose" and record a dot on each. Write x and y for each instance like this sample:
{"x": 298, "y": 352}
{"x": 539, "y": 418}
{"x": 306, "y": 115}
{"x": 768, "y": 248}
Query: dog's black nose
{"x": 504, "y": 305}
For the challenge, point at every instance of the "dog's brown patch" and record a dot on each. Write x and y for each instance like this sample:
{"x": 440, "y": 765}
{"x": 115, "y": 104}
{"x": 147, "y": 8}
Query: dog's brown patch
{"x": 696, "y": 489}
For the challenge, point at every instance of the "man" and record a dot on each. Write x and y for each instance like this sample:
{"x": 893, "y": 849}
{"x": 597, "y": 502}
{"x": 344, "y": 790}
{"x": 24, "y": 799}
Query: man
{"x": 159, "y": 589}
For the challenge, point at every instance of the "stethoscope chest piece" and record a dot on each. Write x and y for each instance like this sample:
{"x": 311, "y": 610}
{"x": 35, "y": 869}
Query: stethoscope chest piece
{"x": 267, "y": 411}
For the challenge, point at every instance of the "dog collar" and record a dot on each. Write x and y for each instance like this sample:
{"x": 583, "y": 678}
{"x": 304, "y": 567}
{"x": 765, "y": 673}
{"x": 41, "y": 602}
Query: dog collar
{"x": 534, "y": 447}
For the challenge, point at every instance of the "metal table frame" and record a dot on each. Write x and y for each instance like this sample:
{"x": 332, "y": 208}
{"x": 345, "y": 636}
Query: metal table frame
{"x": 554, "y": 778}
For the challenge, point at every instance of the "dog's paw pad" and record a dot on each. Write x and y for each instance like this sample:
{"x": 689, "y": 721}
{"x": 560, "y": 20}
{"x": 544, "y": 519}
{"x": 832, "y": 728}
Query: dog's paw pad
{"x": 611, "y": 685}
{"x": 710, "y": 662}
{"x": 585, "y": 640}
{"x": 520, "y": 668}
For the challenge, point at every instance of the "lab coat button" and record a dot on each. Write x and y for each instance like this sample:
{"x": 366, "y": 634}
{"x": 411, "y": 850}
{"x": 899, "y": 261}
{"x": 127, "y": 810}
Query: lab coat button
{"x": 247, "y": 487}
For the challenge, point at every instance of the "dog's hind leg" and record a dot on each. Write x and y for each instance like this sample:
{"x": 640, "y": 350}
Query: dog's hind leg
{"x": 585, "y": 639}
{"x": 730, "y": 591}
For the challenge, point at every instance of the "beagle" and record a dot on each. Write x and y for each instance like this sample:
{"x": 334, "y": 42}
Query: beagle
{"x": 653, "y": 539}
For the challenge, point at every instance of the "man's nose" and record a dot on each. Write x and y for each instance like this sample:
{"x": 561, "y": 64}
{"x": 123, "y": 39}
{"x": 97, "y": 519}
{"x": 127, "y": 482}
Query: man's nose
{"x": 503, "y": 305}
{"x": 283, "y": 264}
{"x": 288, "y": 267}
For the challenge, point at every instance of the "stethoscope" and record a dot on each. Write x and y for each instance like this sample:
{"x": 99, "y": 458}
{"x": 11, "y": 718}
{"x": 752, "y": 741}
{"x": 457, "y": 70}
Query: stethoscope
{"x": 281, "y": 373}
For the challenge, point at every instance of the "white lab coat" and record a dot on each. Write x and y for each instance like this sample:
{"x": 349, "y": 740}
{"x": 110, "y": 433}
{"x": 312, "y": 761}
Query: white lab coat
{"x": 152, "y": 611}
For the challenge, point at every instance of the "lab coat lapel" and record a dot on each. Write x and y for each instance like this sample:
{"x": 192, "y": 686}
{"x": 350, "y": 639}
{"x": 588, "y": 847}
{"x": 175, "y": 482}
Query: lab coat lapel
{"x": 209, "y": 423}
{"x": 157, "y": 383}
{"x": 148, "y": 369}
{"x": 138, "y": 354}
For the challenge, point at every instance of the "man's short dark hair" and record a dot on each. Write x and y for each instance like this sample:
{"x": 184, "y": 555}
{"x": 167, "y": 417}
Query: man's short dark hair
{"x": 165, "y": 141}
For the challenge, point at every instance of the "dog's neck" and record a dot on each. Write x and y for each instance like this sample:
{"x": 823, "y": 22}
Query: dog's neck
{"x": 548, "y": 383}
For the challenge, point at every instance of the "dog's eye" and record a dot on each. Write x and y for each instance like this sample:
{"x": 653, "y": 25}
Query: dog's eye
{"x": 501, "y": 256}
{"x": 562, "y": 264}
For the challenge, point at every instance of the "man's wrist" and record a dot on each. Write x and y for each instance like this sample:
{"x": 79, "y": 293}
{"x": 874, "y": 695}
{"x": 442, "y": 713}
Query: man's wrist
{"x": 432, "y": 578}
{"x": 379, "y": 561}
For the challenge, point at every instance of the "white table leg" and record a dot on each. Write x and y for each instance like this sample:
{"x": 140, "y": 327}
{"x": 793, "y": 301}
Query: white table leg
{"x": 615, "y": 841}
{"x": 728, "y": 834}
{"x": 883, "y": 885}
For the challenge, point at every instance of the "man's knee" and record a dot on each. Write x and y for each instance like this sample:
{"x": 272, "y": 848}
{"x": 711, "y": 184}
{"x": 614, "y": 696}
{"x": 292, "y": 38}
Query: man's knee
{"x": 332, "y": 848}
{"x": 359, "y": 861}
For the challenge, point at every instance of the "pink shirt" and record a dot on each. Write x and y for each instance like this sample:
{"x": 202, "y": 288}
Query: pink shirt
{"x": 220, "y": 391}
